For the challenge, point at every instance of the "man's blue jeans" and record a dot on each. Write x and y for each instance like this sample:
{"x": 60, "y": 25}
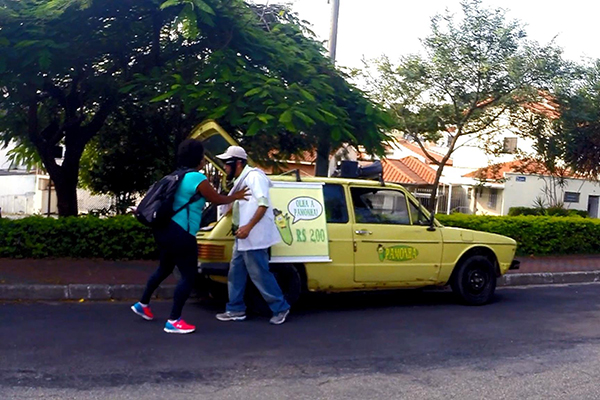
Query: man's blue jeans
{"x": 254, "y": 263}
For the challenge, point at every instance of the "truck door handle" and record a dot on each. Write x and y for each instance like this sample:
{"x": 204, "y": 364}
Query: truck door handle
{"x": 361, "y": 232}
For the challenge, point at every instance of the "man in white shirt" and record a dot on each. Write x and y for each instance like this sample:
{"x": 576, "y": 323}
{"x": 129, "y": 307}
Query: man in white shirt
{"x": 255, "y": 231}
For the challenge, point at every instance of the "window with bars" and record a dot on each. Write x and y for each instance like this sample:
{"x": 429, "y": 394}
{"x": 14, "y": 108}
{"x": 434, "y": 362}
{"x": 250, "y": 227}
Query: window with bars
{"x": 571, "y": 197}
{"x": 493, "y": 199}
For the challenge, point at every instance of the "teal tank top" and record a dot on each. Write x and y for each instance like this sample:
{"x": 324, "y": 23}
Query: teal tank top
{"x": 190, "y": 217}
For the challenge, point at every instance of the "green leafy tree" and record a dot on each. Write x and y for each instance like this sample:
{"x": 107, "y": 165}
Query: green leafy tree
{"x": 68, "y": 65}
{"x": 131, "y": 152}
{"x": 575, "y": 137}
{"x": 275, "y": 87}
{"x": 474, "y": 71}
{"x": 63, "y": 64}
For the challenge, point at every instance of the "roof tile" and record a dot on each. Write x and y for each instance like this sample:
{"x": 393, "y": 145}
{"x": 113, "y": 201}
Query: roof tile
{"x": 496, "y": 172}
{"x": 408, "y": 170}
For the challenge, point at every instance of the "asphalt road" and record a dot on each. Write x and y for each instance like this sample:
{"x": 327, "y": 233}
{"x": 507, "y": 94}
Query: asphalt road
{"x": 531, "y": 343}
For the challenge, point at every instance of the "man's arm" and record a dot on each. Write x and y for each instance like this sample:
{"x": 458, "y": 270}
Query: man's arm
{"x": 244, "y": 231}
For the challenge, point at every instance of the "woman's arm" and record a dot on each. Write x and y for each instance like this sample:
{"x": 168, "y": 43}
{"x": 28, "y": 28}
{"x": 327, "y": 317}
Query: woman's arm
{"x": 210, "y": 194}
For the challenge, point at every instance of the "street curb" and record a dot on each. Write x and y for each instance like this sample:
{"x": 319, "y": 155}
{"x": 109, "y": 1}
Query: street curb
{"x": 80, "y": 292}
{"x": 549, "y": 278}
{"x": 132, "y": 292}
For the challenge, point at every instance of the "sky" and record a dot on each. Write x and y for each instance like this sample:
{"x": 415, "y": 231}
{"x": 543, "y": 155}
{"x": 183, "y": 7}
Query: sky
{"x": 370, "y": 28}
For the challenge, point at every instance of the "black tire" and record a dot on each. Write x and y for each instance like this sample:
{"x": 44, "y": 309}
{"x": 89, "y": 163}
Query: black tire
{"x": 474, "y": 281}
{"x": 201, "y": 284}
{"x": 289, "y": 281}
{"x": 217, "y": 291}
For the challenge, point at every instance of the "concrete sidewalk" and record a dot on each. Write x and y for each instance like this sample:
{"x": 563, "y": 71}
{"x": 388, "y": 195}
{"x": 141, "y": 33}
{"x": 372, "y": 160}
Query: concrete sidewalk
{"x": 76, "y": 279}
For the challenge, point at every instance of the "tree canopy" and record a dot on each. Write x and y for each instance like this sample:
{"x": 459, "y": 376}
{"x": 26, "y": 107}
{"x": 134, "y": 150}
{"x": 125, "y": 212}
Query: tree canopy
{"x": 72, "y": 69}
{"x": 576, "y": 137}
{"x": 474, "y": 70}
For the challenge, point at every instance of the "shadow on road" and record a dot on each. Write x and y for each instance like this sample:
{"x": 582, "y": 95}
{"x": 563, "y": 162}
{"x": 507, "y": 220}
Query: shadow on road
{"x": 311, "y": 303}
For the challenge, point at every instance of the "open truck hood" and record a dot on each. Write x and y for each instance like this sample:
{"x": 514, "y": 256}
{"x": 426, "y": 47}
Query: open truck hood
{"x": 215, "y": 141}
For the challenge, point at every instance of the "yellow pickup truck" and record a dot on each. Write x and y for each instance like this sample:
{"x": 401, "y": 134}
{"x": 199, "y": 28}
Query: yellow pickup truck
{"x": 342, "y": 234}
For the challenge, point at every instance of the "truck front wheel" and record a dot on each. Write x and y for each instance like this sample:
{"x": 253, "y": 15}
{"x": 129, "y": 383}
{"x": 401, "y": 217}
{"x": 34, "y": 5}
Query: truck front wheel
{"x": 474, "y": 281}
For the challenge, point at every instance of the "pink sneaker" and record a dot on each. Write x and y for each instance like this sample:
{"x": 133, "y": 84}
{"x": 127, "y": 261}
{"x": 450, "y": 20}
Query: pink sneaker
{"x": 142, "y": 311}
{"x": 179, "y": 326}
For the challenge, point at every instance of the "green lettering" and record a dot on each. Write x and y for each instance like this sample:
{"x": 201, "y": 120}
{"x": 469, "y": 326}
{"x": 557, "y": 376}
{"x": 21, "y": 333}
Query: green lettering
{"x": 397, "y": 253}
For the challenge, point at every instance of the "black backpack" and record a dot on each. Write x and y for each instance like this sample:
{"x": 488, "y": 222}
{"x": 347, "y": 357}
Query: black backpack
{"x": 156, "y": 208}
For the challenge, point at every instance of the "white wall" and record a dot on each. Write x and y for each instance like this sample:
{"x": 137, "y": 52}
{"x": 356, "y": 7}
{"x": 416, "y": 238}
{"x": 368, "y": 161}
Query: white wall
{"x": 471, "y": 152}
{"x": 17, "y": 193}
{"x": 521, "y": 191}
{"x": 483, "y": 201}
{"x": 16, "y": 184}
{"x": 4, "y": 163}
{"x": 22, "y": 193}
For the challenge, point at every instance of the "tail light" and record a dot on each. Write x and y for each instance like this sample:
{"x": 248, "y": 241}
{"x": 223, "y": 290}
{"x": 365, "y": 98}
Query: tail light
{"x": 211, "y": 251}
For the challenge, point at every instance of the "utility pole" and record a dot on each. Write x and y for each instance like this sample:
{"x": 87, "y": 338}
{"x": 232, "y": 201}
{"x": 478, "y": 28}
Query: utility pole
{"x": 324, "y": 145}
{"x": 335, "y": 13}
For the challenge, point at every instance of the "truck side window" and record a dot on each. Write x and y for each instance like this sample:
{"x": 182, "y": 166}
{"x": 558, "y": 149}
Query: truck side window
{"x": 380, "y": 206}
{"x": 336, "y": 209}
{"x": 418, "y": 218}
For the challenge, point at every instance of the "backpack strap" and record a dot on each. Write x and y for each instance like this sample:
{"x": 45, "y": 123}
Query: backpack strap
{"x": 195, "y": 197}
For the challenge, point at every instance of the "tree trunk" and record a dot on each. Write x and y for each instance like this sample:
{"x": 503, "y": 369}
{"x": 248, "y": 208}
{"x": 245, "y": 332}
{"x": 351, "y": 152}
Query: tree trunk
{"x": 66, "y": 176}
{"x": 322, "y": 163}
{"x": 66, "y": 193}
{"x": 434, "y": 189}
{"x": 442, "y": 164}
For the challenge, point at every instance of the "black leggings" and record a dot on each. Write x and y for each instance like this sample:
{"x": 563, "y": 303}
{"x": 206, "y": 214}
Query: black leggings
{"x": 177, "y": 248}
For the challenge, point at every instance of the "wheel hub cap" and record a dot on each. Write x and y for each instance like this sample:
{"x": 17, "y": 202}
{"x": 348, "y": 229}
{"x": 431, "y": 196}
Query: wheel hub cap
{"x": 477, "y": 280}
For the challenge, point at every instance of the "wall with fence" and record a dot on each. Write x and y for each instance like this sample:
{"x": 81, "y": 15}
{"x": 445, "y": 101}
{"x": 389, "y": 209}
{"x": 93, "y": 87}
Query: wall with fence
{"x": 88, "y": 202}
{"x": 459, "y": 199}
{"x": 22, "y": 204}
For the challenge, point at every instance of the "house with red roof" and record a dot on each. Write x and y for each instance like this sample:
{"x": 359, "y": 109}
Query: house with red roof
{"x": 526, "y": 183}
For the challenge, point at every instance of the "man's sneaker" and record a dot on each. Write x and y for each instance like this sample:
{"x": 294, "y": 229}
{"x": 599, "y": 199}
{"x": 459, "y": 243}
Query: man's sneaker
{"x": 232, "y": 316}
{"x": 279, "y": 318}
{"x": 179, "y": 326}
{"x": 142, "y": 311}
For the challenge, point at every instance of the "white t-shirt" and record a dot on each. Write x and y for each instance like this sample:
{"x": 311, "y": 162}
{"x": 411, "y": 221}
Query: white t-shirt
{"x": 265, "y": 233}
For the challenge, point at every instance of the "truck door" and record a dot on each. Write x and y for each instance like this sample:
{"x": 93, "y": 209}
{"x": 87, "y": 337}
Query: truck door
{"x": 390, "y": 243}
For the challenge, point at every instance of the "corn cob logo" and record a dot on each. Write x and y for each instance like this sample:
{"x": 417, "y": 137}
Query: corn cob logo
{"x": 283, "y": 226}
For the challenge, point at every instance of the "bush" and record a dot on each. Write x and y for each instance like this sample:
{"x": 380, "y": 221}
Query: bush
{"x": 552, "y": 211}
{"x": 120, "y": 237}
{"x": 514, "y": 211}
{"x": 537, "y": 235}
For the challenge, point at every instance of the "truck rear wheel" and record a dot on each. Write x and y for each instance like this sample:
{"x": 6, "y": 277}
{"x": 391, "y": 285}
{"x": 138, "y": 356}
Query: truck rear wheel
{"x": 289, "y": 281}
{"x": 474, "y": 281}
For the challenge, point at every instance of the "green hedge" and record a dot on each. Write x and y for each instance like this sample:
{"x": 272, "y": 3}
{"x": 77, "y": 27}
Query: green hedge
{"x": 537, "y": 235}
{"x": 550, "y": 211}
{"x": 77, "y": 237}
{"x": 124, "y": 238}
